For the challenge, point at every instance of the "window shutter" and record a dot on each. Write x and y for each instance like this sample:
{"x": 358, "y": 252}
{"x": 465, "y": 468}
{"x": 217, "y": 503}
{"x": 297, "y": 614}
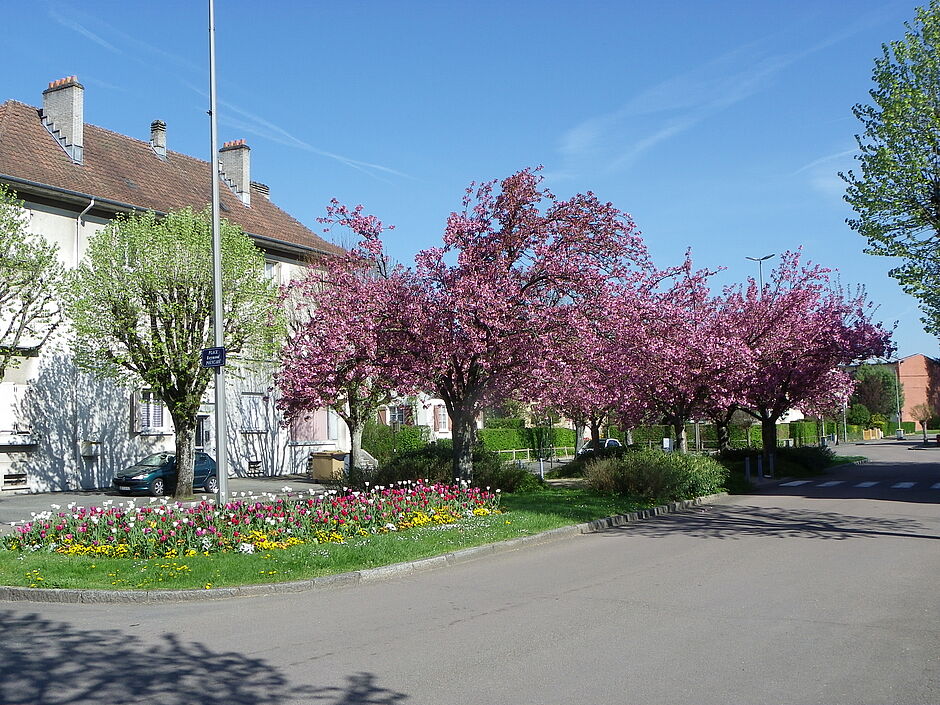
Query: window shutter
{"x": 383, "y": 417}
{"x": 136, "y": 411}
{"x": 407, "y": 416}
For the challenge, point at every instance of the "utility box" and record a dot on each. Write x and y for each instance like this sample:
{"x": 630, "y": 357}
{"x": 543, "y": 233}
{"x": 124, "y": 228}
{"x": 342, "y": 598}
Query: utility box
{"x": 899, "y": 434}
{"x": 327, "y": 466}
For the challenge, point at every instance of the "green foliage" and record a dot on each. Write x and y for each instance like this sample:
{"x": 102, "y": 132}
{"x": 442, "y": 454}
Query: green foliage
{"x": 30, "y": 281}
{"x": 141, "y": 304}
{"x": 896, "y": 197}
{"x": 876, "y": 386}
{"x": 504, "y": 422}
{"x": 812, "y": 458}
{"x": 383, "y": 443}
{"x": 657, "y": 476}
{"x": 503, "y": 438}
{"x": 434, "y": 462}
{"x": 378, "y": 440}
{"x": 858, "y": 415}
{"x": 804, "y": 432}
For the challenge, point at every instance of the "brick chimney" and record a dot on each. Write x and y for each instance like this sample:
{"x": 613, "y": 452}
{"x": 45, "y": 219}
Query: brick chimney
{"x": 158, "y": 138}
{"x": 235, "y": 168}
{"x": 63, "y": 114}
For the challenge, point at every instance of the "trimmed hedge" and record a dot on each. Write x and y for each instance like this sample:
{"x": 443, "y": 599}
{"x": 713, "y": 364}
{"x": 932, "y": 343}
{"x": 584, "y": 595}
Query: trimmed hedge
{"x": 657, "y": 476}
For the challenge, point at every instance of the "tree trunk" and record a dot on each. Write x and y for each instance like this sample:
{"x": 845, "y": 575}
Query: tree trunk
{"x": 768, "y": 434}
{"x": 464, "y": 437}
{"x": 355, "y": 443}
{"x": 723, "y": 434}
{"x": 678, "y": 427}
{"x": 185, "y": 428}
{"x": 596, "y": 434}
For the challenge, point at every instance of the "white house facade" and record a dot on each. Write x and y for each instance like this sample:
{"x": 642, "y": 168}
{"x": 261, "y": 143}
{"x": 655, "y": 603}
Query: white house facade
{"x": 61, "y": 428}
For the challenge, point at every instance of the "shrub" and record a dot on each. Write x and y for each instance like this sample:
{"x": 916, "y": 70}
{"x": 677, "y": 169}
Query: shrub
{"x": 504, "y": 422}
{"x": 813, "y": 458}
{"x": 434, "y": 462}
{"x": 383, "y": 443}
{"x": 858, "y": 414}
{"x": 657, "y": 476}
{"x": 503, "y": 438}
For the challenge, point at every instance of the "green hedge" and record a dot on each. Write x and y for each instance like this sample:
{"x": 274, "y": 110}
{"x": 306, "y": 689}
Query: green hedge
{"x": 521, "y": 438}
{"x": 504, "y": 422}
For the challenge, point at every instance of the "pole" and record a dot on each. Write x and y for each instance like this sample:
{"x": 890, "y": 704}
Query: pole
{"x": 897, "y": 390}
{"x": 221, "y": 440}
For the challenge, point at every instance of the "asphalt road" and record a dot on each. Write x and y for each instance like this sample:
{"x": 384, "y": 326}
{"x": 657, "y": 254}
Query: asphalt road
{"x": 800, "y": 594}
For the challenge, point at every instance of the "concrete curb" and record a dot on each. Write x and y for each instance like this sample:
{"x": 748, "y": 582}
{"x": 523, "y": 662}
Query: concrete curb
{"x": 342, "y": 580}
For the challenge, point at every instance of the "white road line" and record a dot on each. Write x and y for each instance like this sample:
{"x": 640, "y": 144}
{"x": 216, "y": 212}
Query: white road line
{"x": 903, "y": 485}
{"x": 831, "y": 483}
{"x": 935, "y": 486}
{"x": 796, "y": 483}
{"x": 866, "y": 484}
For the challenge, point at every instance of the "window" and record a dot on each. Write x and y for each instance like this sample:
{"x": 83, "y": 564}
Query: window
{"x": 332, "y": 425}
{"x": 401, "y": 415}
{"x": 272, "y": 270}
{"x": 151, "y": 416}
{"x": 441, "y": 420}
{"x": 11, "y": 408}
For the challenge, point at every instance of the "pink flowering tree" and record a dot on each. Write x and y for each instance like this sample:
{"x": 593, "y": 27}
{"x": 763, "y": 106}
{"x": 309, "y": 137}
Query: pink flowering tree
{"x": 693, "y": 361}
{"x": 517, "y": 274}
{"x": 347, "y": 323}
{"x": 800, "y": 331}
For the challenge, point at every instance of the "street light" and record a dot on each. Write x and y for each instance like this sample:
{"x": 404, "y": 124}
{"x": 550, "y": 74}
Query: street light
{"x": 760, "y": 268}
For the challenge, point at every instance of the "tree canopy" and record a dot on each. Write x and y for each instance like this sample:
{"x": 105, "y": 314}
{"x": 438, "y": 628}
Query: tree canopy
{"x": 897, "y": 194}
{"x": 141, "y": 306}
{"x": 30, "y": 277}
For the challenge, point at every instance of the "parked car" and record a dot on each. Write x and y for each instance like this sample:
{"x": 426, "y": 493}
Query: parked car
{"x": 156, "y": 475}
{"x": 604, "y": 443}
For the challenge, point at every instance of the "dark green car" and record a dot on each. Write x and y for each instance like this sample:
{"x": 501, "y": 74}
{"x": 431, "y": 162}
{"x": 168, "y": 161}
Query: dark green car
{"x": 156, "y": 475}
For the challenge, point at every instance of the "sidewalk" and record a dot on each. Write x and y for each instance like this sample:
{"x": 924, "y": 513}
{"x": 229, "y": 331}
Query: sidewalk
{"x": 18, "y": 507}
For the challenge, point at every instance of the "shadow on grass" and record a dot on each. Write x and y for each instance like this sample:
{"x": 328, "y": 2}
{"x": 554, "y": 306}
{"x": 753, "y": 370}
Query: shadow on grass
{"x": 52, "y": 663}
{"x": 734, "y": 522}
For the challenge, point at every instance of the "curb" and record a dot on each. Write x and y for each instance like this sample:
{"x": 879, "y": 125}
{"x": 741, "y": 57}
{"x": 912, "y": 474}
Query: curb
{"x": 342, "y": 580}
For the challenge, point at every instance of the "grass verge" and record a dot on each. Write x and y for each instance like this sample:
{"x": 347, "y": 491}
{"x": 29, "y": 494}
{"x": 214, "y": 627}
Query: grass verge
{"x": 523, "y": 514}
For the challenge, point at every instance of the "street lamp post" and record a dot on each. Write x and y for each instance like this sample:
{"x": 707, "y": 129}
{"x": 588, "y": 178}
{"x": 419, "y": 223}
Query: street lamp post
{"x": 760, "y": 268}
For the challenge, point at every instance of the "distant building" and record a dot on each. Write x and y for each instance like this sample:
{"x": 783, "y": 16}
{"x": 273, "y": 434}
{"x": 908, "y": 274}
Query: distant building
{"x": 920, "y": 379}
{"x": 63, "y": 429}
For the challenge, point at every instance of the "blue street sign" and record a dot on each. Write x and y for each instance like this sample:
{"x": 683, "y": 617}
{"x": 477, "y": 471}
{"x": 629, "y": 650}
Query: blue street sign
{"x": 213, "y": 357}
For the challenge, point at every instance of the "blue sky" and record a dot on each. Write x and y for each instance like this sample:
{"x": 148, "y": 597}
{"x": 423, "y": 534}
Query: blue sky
{"x": 718, "y": 125}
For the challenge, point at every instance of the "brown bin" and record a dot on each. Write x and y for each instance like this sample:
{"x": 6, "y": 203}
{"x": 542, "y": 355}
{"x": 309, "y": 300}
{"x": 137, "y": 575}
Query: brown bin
{"x": 327, "y": 466}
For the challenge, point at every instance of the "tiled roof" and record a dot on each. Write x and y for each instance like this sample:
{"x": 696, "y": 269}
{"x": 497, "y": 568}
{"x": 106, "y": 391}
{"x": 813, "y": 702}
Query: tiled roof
{"x": 122, "y": 169}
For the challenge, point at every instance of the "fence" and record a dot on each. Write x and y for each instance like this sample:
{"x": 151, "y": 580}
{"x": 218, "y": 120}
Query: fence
{"x": 531, "y": 455}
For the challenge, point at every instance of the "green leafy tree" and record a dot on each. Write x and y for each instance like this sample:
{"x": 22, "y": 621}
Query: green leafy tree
{"x": 897, "y": 194}
{"x": 876, "y": 386}
{"x": 30, "y": 277}
{"x": 141, "y": 305}
{"x": 858, "y": 415}
{"x": 923, "y": 414}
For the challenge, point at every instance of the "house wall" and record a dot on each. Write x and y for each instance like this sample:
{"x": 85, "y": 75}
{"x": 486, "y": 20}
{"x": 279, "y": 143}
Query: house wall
{"x": 920, "y": 380}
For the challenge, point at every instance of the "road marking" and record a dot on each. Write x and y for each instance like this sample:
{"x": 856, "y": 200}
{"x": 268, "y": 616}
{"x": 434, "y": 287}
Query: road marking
{"x": 796, "y": 483}
{"x": 866, "y": 484}
{"x": 903, "y": 485}
{"x": 831, "y": 483}
{"x": 935, "y": 486}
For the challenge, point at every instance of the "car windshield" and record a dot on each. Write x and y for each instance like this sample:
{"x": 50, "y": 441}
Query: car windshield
{"x": 155, "y": 460}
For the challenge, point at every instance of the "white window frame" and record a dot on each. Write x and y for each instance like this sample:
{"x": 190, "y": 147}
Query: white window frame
{"x": 397, "y": 414}
{"x": 332, "y": 425}
{"x": 151, "y": 416}
{"x": 441, "y": 419}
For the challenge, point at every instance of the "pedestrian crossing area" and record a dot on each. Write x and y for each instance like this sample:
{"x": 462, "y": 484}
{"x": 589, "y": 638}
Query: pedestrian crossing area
{"x": 902, "y": 485}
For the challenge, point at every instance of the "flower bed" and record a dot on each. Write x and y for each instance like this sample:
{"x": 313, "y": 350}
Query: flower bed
{"x": 247, "y": 524}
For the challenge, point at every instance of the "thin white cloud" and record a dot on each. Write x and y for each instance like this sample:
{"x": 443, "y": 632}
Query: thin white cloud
{"x": 251, "y": 123}
{"x": 824, "y": 160}
{"x": 614, "y": 141}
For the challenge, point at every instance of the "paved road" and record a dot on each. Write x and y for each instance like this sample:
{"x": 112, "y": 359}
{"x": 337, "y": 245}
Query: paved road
{"x": 799, "y": 594}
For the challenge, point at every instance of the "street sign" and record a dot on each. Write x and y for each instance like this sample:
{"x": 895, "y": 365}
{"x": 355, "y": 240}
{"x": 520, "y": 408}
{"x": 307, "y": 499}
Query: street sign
{"x": 213, "y": 357}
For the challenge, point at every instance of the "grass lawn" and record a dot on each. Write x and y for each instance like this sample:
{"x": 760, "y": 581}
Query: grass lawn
{"x": 523, "y": 514}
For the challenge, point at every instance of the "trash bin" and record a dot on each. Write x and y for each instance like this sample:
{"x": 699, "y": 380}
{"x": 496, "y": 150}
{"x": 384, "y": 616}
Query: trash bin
{"x": 899, "y": 434}
{"x": 327, "y": 465}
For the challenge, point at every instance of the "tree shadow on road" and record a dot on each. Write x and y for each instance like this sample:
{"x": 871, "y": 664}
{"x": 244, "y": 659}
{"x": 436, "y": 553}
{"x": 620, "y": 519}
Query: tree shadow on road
{"x": 735, "y": 522}
{"x": 52, "y": 663}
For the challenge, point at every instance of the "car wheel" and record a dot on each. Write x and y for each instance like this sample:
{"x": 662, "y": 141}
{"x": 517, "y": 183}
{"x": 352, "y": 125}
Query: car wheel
{"x": 212, "y": 484}
{"x": 157, "y": 488}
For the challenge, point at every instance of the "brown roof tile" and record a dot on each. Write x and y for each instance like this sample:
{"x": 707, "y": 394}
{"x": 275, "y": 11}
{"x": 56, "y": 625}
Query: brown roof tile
{"x": 122, "y": 169}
